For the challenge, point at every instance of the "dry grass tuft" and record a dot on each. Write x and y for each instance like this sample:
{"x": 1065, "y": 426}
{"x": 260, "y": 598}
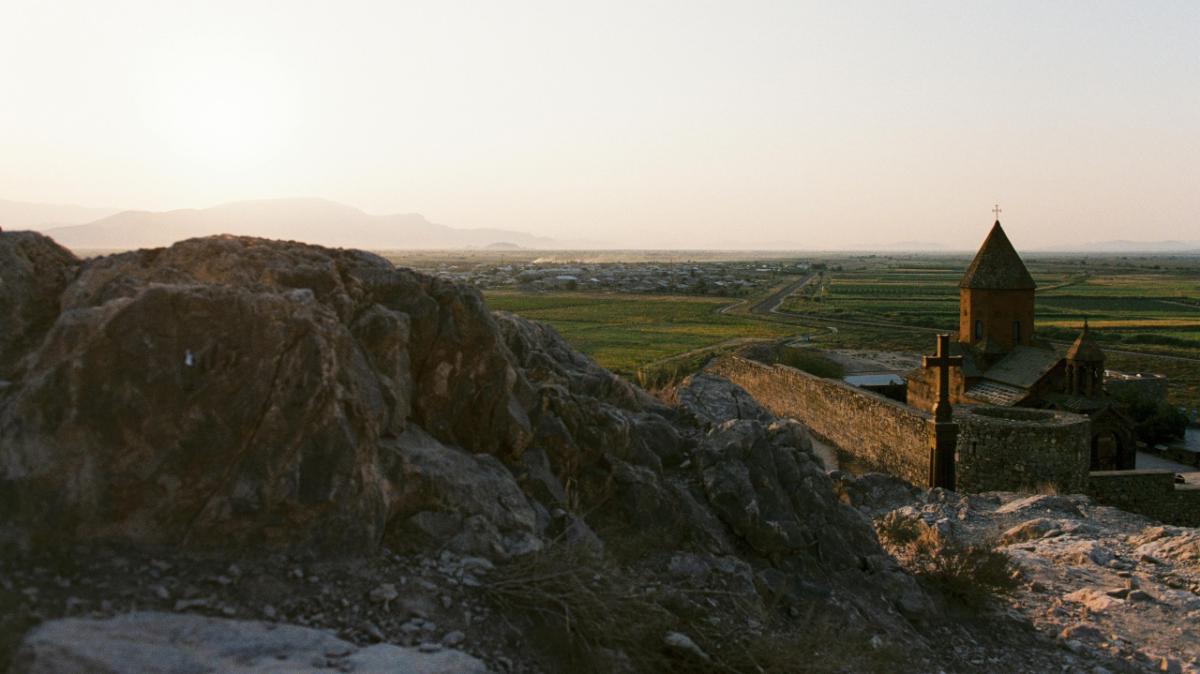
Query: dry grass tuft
{"x": 1046, "y": 489}
{"x": 594, "y": 616}
{"x": 969, "y": 573}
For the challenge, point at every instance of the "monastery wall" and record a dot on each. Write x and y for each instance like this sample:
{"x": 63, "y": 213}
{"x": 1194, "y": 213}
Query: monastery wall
{"x": 1009, "y": 449}
{"x": 884, "y": 434}
{"x": 998, "y": 448}
{"x": 1152, "y": 493}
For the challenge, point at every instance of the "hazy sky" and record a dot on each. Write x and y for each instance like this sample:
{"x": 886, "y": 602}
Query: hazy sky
{"x": 644, "y": 123}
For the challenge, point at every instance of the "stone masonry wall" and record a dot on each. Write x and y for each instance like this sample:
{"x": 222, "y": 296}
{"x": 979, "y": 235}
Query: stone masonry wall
{"x": 883, "y": 433}
{"x": 998, "y": 448}
{"x": 1011, "y": 449}
{"x": 1152, "y": 493}
{"x": 1147, "y": 387}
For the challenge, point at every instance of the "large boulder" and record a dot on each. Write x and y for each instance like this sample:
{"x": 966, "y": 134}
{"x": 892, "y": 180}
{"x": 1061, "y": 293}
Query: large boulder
{"x": 456, "y": 354}
{"x": 235, "y": 391}
{"x": 197, "y": 413}
{"x": 165, "y": 643}
{"x": 712, "y": 400}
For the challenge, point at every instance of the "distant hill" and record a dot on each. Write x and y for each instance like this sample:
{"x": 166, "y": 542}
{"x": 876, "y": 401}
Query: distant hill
{"x": 1128, "y": 247}
{"x": 40, "y": 217}
{"x": 316, "y": 221}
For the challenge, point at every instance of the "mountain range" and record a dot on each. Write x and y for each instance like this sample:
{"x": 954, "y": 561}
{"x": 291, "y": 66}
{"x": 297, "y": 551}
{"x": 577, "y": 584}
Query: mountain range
{"x": 329, "y": 223}
{"x": 317, "y": 221}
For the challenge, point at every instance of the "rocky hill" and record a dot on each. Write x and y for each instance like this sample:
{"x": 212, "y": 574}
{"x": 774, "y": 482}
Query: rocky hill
{"x": 241, "y": 433}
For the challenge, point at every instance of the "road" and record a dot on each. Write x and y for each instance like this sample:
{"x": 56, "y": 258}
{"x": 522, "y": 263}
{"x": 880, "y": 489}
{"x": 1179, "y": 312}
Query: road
{"x": 770, "y": 303}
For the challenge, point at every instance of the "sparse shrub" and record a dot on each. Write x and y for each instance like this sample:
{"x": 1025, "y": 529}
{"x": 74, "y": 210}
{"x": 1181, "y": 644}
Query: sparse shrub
{"x": 811, "y": 362}
{"x": 595, "y": 615}
{"x": 896, "y": 530}
{"x": 969, "y": 573}
{"x": 578, "y": 604}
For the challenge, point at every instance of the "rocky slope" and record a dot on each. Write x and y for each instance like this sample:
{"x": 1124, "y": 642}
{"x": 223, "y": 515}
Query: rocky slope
{"x": 263, "y": 430}
{"x": 1098, "y": 579}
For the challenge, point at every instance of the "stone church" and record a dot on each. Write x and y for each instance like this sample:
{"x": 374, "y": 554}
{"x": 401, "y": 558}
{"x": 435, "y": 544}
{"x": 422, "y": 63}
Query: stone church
{"x": 1005, "y": 364}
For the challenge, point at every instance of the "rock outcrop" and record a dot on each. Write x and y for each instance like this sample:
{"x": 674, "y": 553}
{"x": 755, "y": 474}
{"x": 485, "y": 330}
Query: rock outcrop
{"x": 150, "y": 643}
{"x": 237, "y": 391}
{"x": 240, "y": 392}
{"x": 1102, "y": 582}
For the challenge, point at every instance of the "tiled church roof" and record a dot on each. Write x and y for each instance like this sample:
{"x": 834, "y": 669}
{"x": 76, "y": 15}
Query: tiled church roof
{"x": 997, "y": 266}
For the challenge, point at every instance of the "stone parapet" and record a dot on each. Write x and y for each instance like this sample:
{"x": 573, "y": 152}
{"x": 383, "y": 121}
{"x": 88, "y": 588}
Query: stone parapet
{"x": 1152, "y": 493}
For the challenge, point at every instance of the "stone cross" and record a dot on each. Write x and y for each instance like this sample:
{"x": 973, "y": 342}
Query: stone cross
{"x": 943, "y": 361}
{"x": 996, "y": 210}
{"x": 943, "y": 436}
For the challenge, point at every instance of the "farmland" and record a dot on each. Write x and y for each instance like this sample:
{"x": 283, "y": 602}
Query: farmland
{"x": 1144, "y": 313}
{"x": 624, "y": 332}
{"x": 1139, "y": 312}
{"x": 1148, "y": 312}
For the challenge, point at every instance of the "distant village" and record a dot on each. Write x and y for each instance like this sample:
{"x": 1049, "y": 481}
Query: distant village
{"x": 722, "y": 279}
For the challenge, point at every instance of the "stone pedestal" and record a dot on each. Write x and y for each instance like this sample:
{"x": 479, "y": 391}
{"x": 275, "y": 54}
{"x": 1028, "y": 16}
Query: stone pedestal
{"x": 943, "y": 437}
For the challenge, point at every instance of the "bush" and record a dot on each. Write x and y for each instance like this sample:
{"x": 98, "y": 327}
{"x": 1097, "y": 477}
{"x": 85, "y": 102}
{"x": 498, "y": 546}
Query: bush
{"x": 811, "y": 362}
{"x": 1154, "y": 421}
{"x": 968, "y": 573}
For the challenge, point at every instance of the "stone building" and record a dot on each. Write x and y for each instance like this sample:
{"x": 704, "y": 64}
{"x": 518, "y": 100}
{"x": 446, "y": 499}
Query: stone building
{"x": 1006, "y": 365}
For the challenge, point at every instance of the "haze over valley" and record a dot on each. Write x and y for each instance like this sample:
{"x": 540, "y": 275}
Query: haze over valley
{"x": 311, "y": 220}
{"x": 325, "y": 222}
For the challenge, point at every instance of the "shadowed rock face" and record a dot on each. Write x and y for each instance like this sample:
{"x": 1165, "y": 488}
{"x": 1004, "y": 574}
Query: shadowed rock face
{"x": 233, "y": 390}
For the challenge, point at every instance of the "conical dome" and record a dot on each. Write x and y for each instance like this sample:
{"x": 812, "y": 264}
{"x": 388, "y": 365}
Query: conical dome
{"x": 997, "y": 266}
{"x": 1085, "y": 349}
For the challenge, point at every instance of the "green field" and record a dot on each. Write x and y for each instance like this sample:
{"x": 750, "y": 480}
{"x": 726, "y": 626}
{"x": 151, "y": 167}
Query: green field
{"x": 626, "y": 332}
{"x": 1140, "y": 315}
{"x": 1156, "y": 313}
{"x": 1152, "y": 312}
